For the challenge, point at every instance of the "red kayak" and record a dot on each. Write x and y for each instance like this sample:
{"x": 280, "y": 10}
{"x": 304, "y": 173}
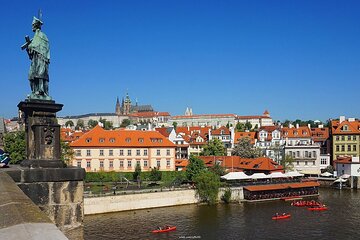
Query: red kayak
{"x": 281, "y": 217}
{"x": 318, "y": 209}
{"x": 166, "y": 229}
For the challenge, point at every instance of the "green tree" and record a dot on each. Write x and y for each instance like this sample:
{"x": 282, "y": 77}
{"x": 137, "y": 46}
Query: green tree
{"x": 155, "y": 175}
{"x": 15, "y": 145}
{"x": 214, "y": 148}
{"x": 248, "y": 125}
{"x": 92, "y": 123}
{"x": 107, "y": 125}
{"x": 226, "y": 197}
{"x": 256, "y": 128}
{"x": 286, "y": 123}
{"x": 80, "y": 124}
{"x": 218, "y": 169}
{"x": 240, "y": 127}
{"x": 125, "y": 123}
{"x": 69, "y": 123}
{"x": 287, "y": 162}
{"x": 175, "y": 125}
{"x": 67, "y": 154}
{"x": 195, "y": 166}
{"x": 207, "y": 186}
{"x": 329, "y": 169}
{"x": 229, "y": 125}
{"x": 245, "y": 149}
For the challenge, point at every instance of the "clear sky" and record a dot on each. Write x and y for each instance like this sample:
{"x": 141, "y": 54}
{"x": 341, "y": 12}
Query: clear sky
{"x": 298, "y": 59}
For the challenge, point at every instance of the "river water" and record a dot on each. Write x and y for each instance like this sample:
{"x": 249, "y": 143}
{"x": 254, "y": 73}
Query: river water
{"x": 235, "y": 221}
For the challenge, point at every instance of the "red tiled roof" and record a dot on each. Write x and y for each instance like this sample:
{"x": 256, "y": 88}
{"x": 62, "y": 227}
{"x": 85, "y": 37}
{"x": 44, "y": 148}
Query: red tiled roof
{"x": 98, "y": 137}
{"x": 251, "y": 117}
{"x": 345, "y": 160}
{"x": 218, "y": 131}
{"x": 235, "y": 162}
{"x": 149, "y": 114}
{"x": 338, "y": 128}
{"x": 190, "y": 130}
{"x": 300, "y": 132}
{"x": 239, "y": 135}
{"x": 163, "y": 131}
{"x": 320, "y": 134}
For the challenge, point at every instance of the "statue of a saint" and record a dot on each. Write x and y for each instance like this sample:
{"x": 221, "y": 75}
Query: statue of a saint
{"x": 39, "y": 53}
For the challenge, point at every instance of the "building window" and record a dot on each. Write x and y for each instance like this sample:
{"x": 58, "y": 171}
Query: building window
{"x": 158, "y": 152}
{"x": 101, "y": 140}
{"x": 309, "y": 154}
{"x": 112, "y": 140}
{"x": 306, "y": 154}
{"x": 88, "y": 164}
{"x": 354, "y": 148}
{"x": 306, "y": 163}
{"x": 337, "y": 138}
{"x": 145, "y": 152}
{"x": 111, "y": 164}
{"x": 349, "y": 138}
{"x": 323, "y": 161}
{"x": 141, "y": 140}
{"x": 354, "y": 138}
{"x": 297, "y": 163}
{"x": 101, "y": 152}
{"x": 168, "y": 152}
{"x": 121, "y": 153}
{"x": 88, "y": 152}
{"x": 158, "y": 163}
{"x": 168, "y": 163}
{"x": 121, "y": 164}
{"x": 343, "y": 148}
{"x": 342, "y": 138}
{"x": 314, "y": 154}
{"x": 129, "y": 163}
{"x": 145, "y": 163}
{"x": 88, "y": 140}
{"x": 138, "y": 162}
{"x": 349, "y": 148}
{"x": 138, "y": 152}
{"x": 101, "y": 164}
{"x": 337, "y": 148}
{"x": 78, "y": 153}
{"x": 297, "y": 153}
{"x": 78, "y": 164}
{"x": 111, "y": 152}
{"x": 129, "y": 152}
{"x": 313, "y": 163}
{"x": 128, "y": 140}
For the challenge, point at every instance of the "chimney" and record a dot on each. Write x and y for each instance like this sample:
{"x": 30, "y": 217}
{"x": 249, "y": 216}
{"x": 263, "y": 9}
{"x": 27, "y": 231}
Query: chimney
{"x": 342, "y": 118}
{"x": 355, "y": 159}
{"x": 321, "y": 126}
{"x": 290, "y": 125}
{"x": 309, "y": 126}
{"x": 297, "y": 125}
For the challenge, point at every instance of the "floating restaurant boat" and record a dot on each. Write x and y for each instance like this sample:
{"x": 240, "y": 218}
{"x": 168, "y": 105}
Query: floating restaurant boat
{"x": 165, "y": 229}
{"x": 281, "y": 217}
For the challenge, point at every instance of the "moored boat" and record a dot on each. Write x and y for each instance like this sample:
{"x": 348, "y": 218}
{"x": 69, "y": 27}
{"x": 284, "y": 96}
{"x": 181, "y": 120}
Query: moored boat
{"x": 320, "y": 208}
{"x": 165, "y": 229}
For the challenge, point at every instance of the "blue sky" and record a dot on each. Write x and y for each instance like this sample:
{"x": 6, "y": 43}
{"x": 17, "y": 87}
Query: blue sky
{"x": 298, "y": 59}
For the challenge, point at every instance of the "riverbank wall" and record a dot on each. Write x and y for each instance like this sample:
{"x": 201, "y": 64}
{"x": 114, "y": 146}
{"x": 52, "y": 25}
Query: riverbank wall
{"x": 118, "y": 203}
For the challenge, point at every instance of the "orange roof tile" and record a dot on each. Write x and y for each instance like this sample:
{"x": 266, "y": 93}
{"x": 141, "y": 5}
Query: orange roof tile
{"x": 281, "y": 186}
{"x": 239, "y": 135}
{"x": 320, "y": 134}
{"x": 149, "y": 114}
{"x": 98, "y": 137}
{"x": 300, "y": 132}
{"x": 251, "y": 117}
{"x": 221, "y": 131}
{"x": 190, "y": 130}
{"x": 164, "y": 131}
{"x": 352, "y": 127}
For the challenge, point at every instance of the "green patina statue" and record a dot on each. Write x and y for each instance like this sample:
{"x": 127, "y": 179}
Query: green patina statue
{"x": 39, "y": 53}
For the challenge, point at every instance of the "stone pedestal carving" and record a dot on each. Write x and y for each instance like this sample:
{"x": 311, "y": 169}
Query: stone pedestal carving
{"x": 42, "y": 133}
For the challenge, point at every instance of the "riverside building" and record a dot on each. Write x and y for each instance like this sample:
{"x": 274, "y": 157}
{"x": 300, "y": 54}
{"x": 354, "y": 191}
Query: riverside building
{"x": 122, "y": 150}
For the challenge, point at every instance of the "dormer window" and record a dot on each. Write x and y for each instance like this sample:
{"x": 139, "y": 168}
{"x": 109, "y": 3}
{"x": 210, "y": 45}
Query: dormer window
{"x": 88, "y": 140}
{"x": 128, "y": 140}
{"x": 141, "y": 140}
{"x": 101, "y": 140}
{"x": 112, "y": 140}
{"x": 345, "y": 128}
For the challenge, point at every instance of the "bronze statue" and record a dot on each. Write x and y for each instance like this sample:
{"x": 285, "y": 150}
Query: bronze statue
{"x": 39, "y": 53}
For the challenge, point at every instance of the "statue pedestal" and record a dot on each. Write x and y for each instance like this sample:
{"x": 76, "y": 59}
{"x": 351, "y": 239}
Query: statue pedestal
{"x": 42, "y": 133}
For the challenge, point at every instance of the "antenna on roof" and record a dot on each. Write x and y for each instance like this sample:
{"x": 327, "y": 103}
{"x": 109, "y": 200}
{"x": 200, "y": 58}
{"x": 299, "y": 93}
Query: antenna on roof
{"x": 39, "y": 14}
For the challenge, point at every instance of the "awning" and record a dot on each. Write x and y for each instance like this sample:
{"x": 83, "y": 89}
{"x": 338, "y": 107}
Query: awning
{"x": 277, "y": 175}
{"x": 259, "y": 176}
{"x": 294, "y": 174}
{"x": 340, "y": 180}
{"x": 326, "y": 174}
{"x": 281, "y": 186}
{"x": 236, "y": 176}
{"x": 345, "y": 176}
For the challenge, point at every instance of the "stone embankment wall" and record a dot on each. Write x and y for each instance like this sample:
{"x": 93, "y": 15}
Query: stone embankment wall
{"x": 117, "y": 203}
{"x": 20, "y": 217}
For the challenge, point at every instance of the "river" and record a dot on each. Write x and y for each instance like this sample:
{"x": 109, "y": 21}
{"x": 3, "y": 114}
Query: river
{"x": 235, "y": 221}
